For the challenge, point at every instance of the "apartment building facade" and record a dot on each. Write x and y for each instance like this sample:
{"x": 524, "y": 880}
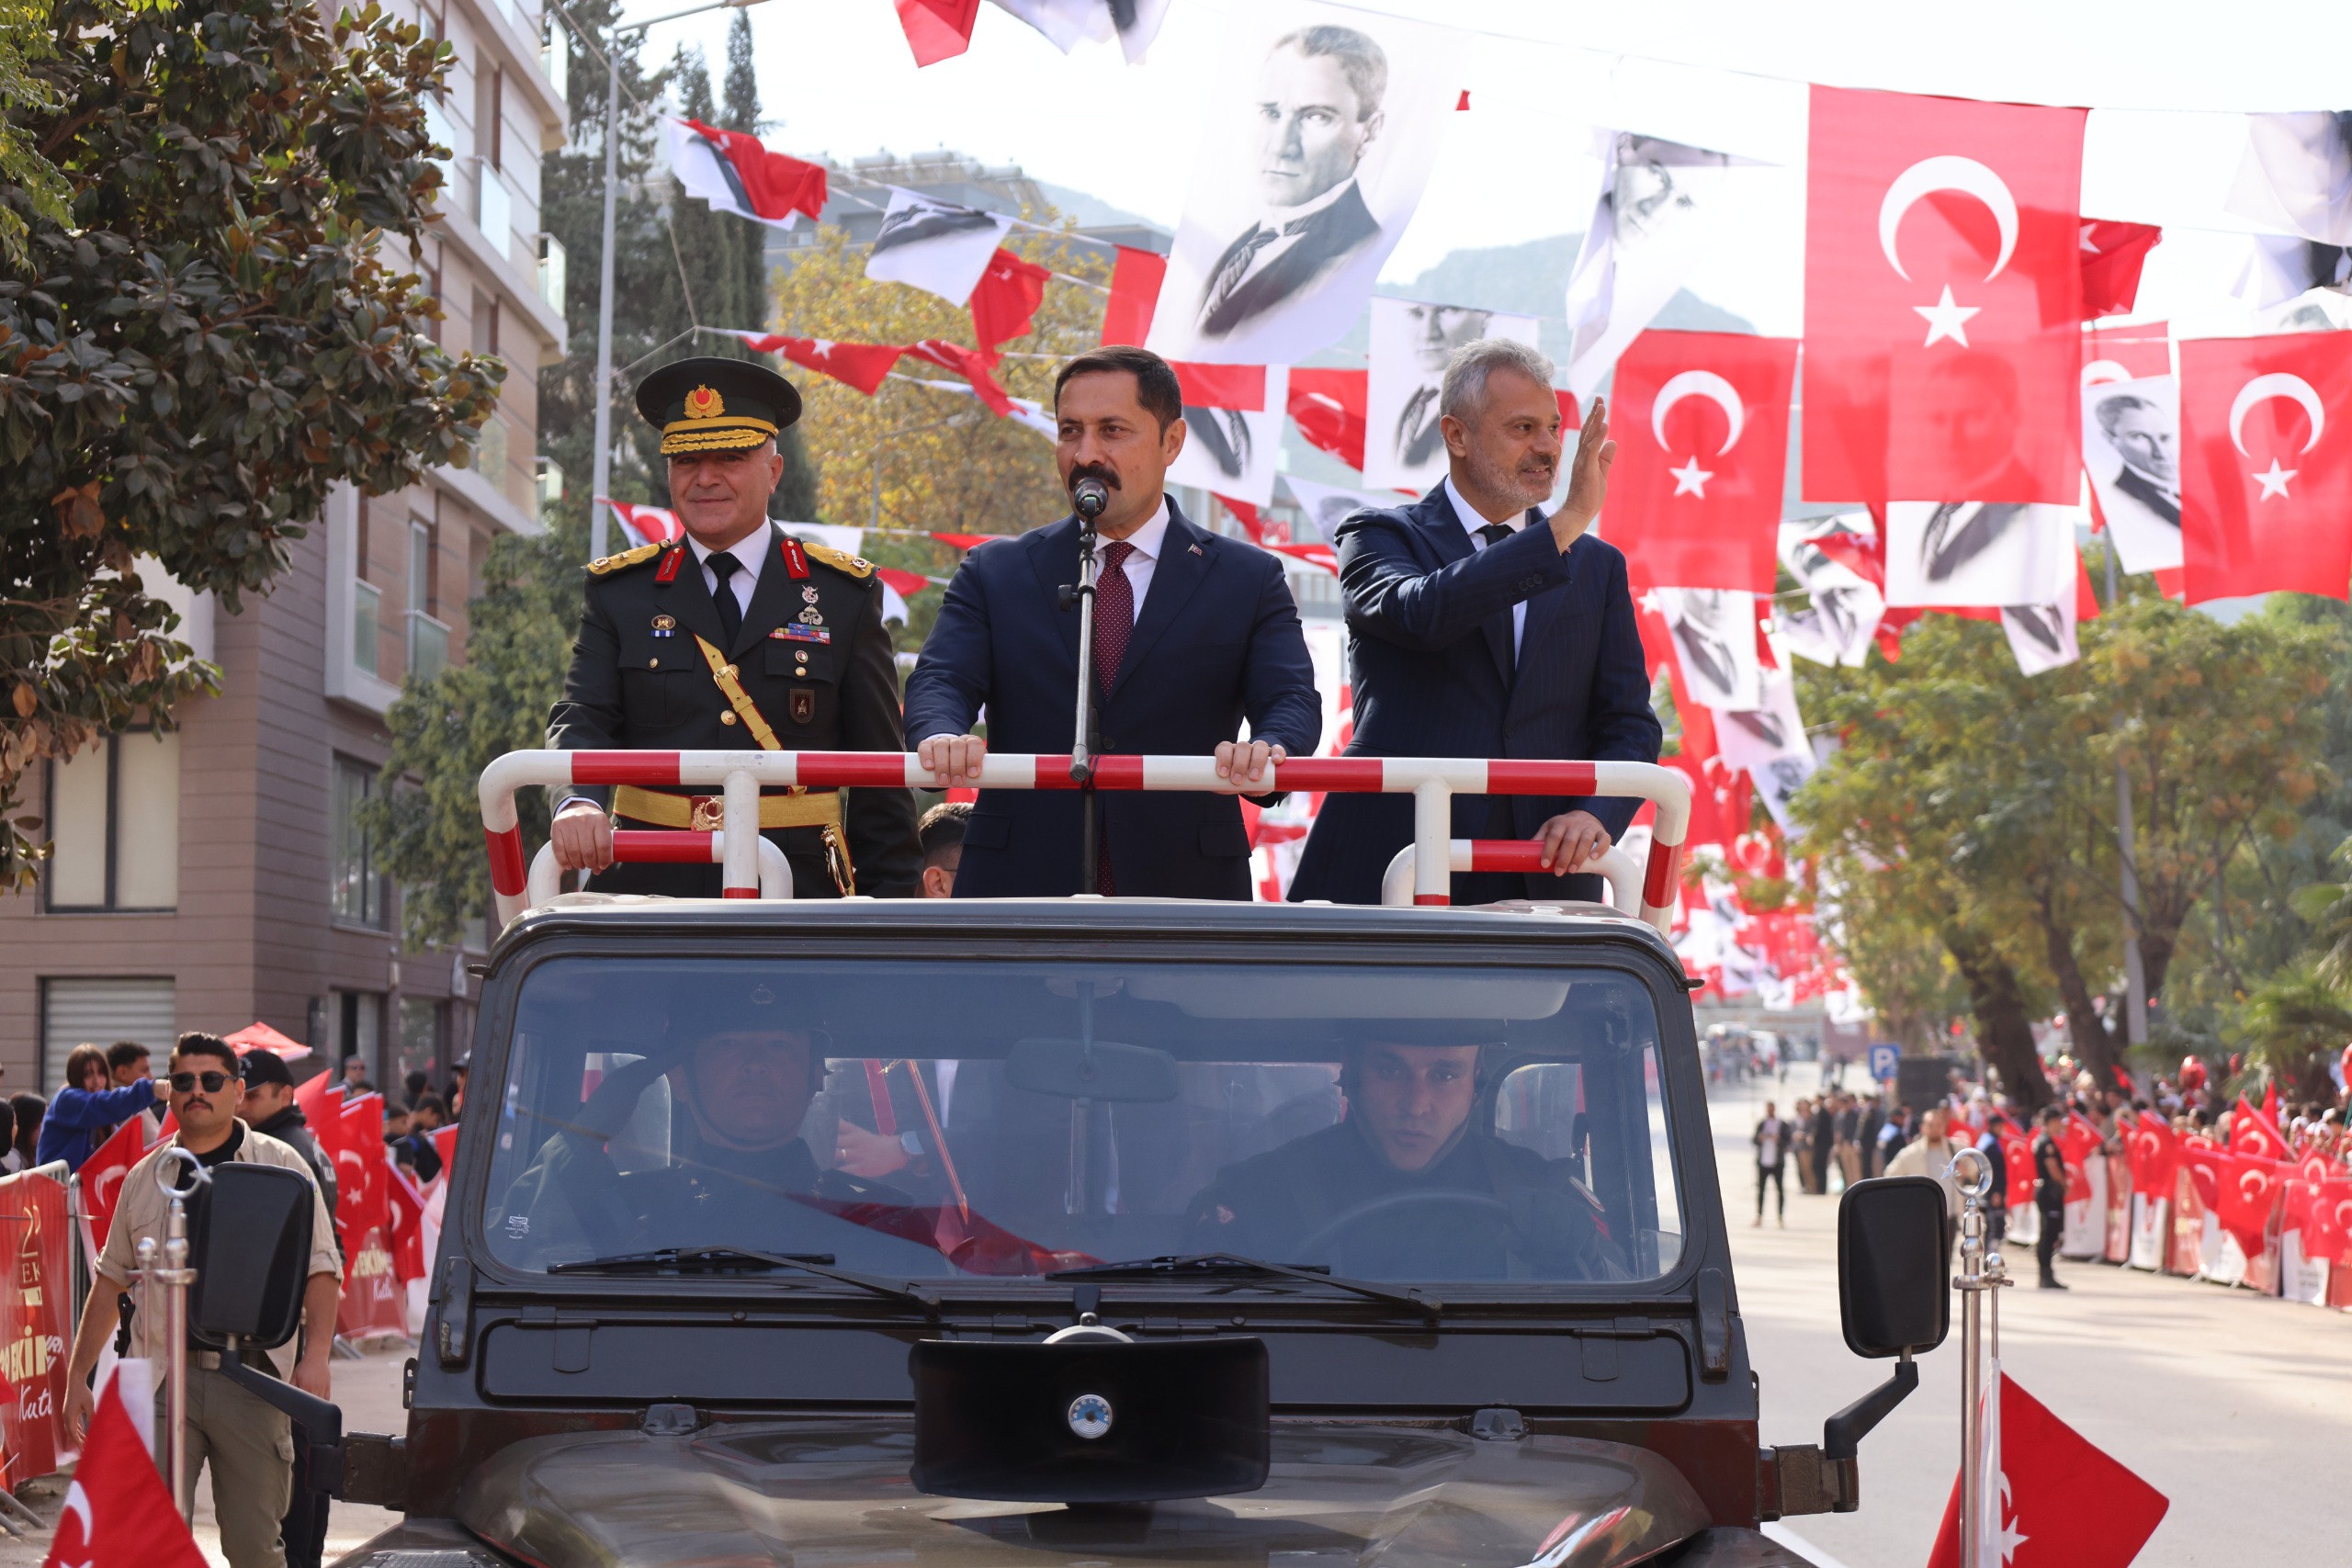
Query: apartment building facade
{"x": 217, "y": 876}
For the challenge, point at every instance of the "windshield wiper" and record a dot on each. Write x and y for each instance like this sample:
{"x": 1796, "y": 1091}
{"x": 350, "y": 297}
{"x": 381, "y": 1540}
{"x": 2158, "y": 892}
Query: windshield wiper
{"x": 1225, "y": 1263}
{"x": 689, "y": 1258}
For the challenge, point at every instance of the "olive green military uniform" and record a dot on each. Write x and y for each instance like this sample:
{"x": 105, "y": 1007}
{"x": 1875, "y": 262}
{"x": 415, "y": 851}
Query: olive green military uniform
{"x": 811, "y": 657}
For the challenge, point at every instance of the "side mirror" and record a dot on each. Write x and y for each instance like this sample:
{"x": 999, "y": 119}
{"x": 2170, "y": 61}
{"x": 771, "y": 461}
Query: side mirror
{"x": 250, "y": 1242}
{"x": 1893, "y": 1266}
{"x": 1093, "y": 1069}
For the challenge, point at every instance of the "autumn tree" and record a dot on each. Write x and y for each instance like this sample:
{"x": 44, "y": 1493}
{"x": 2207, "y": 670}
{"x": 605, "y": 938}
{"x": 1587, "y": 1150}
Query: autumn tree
{"x": 211, "y": 332}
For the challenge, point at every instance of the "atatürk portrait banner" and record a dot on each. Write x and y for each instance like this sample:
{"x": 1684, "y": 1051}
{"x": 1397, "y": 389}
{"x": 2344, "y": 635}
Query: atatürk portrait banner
{"x": 1318, "y": 140}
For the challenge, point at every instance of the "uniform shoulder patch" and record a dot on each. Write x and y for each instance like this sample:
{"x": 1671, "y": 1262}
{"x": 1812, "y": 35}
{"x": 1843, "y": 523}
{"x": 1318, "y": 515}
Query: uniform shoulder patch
{"x": 605, "y": 565}
{"x": 839, "y": 560}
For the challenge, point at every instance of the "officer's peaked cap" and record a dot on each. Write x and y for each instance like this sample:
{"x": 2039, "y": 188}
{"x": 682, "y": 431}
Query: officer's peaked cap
{"x": 713, "y": 405}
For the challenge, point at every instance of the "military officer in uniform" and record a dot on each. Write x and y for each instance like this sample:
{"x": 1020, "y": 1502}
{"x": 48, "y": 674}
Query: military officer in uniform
{"x": 737, "y": 636}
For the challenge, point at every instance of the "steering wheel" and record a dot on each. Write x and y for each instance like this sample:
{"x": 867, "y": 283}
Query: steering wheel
{"x": 1388, "y": 1203}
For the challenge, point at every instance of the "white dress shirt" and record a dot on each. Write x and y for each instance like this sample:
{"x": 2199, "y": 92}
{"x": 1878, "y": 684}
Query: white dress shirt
{"x": 750, "y": 552}
{"x": 1471, "y": 519}
{"x": 1148, "y": 541}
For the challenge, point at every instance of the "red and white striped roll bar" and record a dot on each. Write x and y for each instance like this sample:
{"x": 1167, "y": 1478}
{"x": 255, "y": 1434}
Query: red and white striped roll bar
{"x": 1613, "y": 866}
{"x": 737, "y": 776}
{"x": 662, "y": 846}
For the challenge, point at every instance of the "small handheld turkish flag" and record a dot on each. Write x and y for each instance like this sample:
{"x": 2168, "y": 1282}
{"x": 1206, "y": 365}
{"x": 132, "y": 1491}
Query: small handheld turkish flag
{"x": 1942, "y": 299}
{"x": 102, "y": 1175}
{"x": 118, "y": 1512}
{"x": 2266, "y": 445}
{"x": 2051, "y": 1499}
{"x": 1704, "y": 422}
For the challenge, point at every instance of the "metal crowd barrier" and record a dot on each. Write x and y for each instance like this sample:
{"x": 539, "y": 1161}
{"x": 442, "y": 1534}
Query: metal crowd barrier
{"x": 737, "y": 777}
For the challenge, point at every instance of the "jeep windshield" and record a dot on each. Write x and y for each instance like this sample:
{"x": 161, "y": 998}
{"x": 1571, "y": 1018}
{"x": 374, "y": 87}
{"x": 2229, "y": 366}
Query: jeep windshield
{"x": 926, "y": 1120}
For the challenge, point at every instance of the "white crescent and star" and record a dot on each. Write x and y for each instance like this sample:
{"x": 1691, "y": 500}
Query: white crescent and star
{"x": 2099, "y": 371}
{"x": 1690, "y": 478}
{"x": 77, "y": 1502}
{"x": 2276, "y": 384}
{"x": 1946, "y": 318}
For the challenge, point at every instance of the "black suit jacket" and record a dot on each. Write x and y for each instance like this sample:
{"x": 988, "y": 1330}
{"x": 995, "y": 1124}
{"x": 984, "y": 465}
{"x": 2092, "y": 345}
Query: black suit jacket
{"x": 2141, "y": 489}
{"x": 1327, "y": 237}
{"x": 632, "y": 688}
{"x": 1219, "y": 640}
{"x": 1430, "y": 654}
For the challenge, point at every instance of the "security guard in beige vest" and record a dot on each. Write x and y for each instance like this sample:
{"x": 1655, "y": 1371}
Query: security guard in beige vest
{"x": 738, "y": 636}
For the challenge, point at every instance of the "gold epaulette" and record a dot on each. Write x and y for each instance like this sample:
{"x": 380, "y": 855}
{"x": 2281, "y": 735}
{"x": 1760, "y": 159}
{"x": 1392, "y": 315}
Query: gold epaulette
{"x": 605, "y": 564}
{"x": 839, "y": 560}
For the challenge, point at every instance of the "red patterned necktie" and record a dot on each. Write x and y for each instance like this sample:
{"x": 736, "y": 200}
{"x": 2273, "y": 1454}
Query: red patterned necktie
{"x": 1115, "y": 622}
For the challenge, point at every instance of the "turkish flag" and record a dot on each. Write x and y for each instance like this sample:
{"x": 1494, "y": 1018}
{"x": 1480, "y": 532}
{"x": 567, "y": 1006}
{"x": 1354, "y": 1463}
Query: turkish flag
{"x": 1240, "y": 387}
{"x": 859, "y": 365}
{"x": 445, "y": 1144}
{"x": 2327, "y": 1219}
{"x": 1703, "y": 441}
{"x": 322, "y": 1108}
{"x": 102, "y": 1175}
{"x": 937, "y": 30}
{"x": 2126, "y": 354}
{"x": 1247, "y": 515}
{"x": 734, "y": 172}
{"x": 1942, "y": 299}
{"x": 118, "y": 1513}
{"x": 970, "y": 364}
{"x": 1004, "y": 302}
{"x": 1136, "y": 278}
{"x": 652, "y": 525}
{"x": 2055, "y": 1501}
{"x": 404, "y": 1213}
{"x": 1720, "y": 797}
{"x": 2265, "y": 445}
{"x": 360, "y": 1163}
{"x": 2155, "y": 1154}
{"x": 1327, "y": 406}
{"x": 2246, "y": 1191}
{"x": 2017, "y": 1162}
{"x": 2112, "y": 255}
{"x": 2254, "y": 1133}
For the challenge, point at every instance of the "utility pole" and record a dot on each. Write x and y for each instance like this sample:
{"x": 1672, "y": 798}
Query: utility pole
{"x": 2135, "y": 976}
{"x": 599, "y": 482}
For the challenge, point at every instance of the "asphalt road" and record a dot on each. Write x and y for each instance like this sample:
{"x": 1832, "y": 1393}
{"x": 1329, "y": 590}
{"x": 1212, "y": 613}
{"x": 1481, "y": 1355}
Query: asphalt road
{"x": 2238, "y": 1407}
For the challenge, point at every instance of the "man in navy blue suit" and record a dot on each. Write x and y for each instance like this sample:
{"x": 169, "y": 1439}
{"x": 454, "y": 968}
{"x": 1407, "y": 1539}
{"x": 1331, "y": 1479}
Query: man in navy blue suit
{"x": 1192, "y": 633}
{"x": 1479, "y": 628}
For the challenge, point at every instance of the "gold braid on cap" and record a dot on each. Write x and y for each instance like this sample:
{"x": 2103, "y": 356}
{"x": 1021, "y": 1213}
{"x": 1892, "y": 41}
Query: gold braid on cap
{"x": 714, "y": 434}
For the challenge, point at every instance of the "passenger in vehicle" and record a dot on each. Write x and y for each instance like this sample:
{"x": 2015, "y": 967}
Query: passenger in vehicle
{"x": 1412, "y": 1184}
{"x": 737, "y": 1172}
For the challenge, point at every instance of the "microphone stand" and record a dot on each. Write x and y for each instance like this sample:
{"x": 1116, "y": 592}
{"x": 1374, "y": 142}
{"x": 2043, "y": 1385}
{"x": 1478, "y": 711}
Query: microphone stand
{"x": 1082, "y": 751}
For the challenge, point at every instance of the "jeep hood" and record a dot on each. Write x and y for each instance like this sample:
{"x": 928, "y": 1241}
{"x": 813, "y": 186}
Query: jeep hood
{"x": 835, "y": 1493}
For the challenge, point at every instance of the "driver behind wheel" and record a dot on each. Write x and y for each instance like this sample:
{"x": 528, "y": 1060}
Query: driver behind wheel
{"x": 1411, "y": 1183}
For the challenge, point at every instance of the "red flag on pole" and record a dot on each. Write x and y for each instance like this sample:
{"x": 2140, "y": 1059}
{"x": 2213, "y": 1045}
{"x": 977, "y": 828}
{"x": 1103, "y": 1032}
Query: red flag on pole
{"x": 734, "y": 172}
{"x": 404, "y": 1207}
{"x": 1004, "y": 302}
{"x": 101, "y": 1177}
{"x": 2112, "y": 255}
{"x": 2265, "y": 444}
{"x": 322, "y": 1108}
{"x": 1136, "y": 278}
{"x": 359, "y": 1169}
{"x": 1943, "y": 300}
{"x": 937, "y": 30}
{"x": 2057, "y": 1501}
{"x": 118, "y": 1513}
{"x": 1702, "y": 442}
{"x": 2255, "y": 1132}
{"x": 652, "y": 525}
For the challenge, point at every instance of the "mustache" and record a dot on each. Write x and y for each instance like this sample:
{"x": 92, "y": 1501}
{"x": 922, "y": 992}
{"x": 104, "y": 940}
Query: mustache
{"x": 1101, "y": 471}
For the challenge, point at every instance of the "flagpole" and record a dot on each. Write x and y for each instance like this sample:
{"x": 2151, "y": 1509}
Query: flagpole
{"x": 2135, "y": 974}
{"x": 599, "y": 482}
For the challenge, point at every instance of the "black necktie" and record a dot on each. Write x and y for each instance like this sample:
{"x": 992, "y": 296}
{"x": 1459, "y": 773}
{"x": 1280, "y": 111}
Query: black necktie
{"x": 731, "y": 614}
{"x": 1496, "y": 533}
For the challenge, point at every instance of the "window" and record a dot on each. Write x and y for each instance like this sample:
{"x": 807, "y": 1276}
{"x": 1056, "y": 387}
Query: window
{"x": 360, "y": 1030}
{"x": 1493, "y": 1123}
{"x": 100, "y": 1012}
{"x": 419, "y": 1050}
{"x": 428, "y": 637}
{"x": 366, "y": 624}
{"x": 358, "y": 886}
{"x": 114, "y": 815}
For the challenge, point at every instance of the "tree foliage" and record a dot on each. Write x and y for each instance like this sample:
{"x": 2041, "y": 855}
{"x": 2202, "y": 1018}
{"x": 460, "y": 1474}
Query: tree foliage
{"x": 1969, "y": 815}
{"x": 213, "y": 336}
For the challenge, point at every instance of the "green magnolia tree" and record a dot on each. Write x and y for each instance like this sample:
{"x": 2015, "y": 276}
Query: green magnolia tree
{"x": 212, "y": 336}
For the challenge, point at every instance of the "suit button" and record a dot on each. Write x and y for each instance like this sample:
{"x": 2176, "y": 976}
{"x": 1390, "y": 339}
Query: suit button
{"x": 654, "y": 664}
{"x": 1530, "y": 584}
{"x": 727, "y": 716}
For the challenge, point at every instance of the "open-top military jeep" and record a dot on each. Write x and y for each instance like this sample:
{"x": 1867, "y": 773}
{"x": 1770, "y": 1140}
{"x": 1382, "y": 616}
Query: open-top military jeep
{"x": 1095, "y": 1230}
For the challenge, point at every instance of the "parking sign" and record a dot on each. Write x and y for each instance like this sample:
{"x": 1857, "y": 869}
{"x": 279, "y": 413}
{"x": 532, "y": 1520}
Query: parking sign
{"x": 1883, "y": 1060}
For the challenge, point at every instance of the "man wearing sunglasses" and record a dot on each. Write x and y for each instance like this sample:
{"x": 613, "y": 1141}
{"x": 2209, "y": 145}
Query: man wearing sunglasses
{"x": 249, "y": 1444}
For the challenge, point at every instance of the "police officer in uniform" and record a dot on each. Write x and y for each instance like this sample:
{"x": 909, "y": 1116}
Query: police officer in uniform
{"x": 738, "y": 636}
{"x": 2049, "y": 1195}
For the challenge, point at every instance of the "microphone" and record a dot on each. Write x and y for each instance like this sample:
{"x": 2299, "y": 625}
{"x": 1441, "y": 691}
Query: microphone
{"x": 1091, "y": 495}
